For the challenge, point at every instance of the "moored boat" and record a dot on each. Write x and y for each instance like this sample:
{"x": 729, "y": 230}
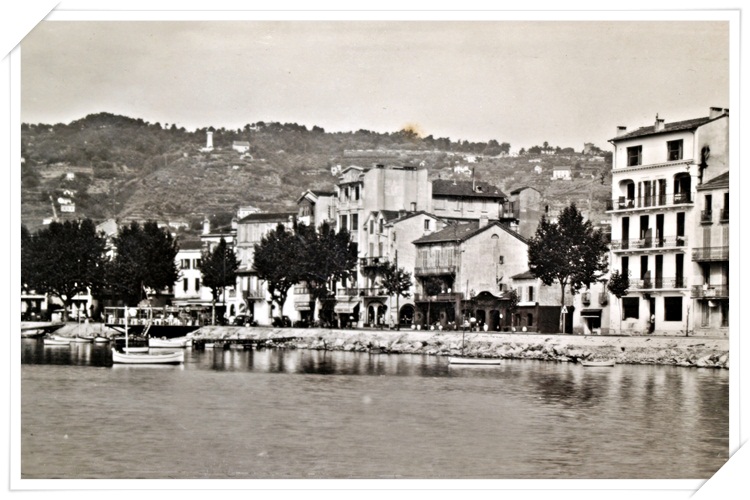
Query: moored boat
{"x": 82, "y": 340}
{"x": 599, "y": 362}
{"x": 459, "y": 360}
{"x": 148, "y": 358}
{"x": 135, "y": 349}
{"x": 101, "y": 340}
{"x": 169, "y": 343}
{"x": 54, "y": 341}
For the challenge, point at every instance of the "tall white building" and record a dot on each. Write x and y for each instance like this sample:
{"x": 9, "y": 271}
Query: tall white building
{"x": 666, "y": 222}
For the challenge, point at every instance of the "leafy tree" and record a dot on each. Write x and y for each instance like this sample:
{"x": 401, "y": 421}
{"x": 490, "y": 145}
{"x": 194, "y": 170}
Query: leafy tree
{"x": 570, "y": 252}
{"x": 326, "y": 256}
{"x": 512, "y": 297}
{"x": 218, "y": 271}
{"x": 618, "y": 286}
{"x": 64, "y": 260}
{"x": 277, "y": 262}
{"x": 396, "y": 281}
{"x": 144, "y": 259}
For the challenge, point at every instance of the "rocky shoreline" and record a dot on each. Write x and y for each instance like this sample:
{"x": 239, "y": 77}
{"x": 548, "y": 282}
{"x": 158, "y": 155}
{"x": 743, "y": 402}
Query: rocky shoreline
{"x": 700, "y": 352}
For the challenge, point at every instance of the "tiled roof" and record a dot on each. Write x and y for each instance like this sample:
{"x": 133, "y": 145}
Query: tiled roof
{"x": 476, "y": 189}
{"x": 526, "y": 275}
{"x": 390, "y": 215}
{"x": 190, "y": 244}
{"x": 668, "y": 127}
{"x": 518, "y": 190}
{"x": 322, "y": 193}
{"x": 408, "y": 215}
{"x": 462, "y": 232}
{"x": 718, "y": 182}
{"x": 268, "y": 217}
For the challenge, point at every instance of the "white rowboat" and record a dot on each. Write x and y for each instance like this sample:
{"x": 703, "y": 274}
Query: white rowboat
{"x": 101, "y": 340}
{"x": 148, "y": 359}
{"x": 473, "y": 361}
{"x": 603, "y": 362}
{"x": 135, "y": 349}
{"x": 82, "y": 340}
{"x": 169, "y": 343}
{"x": 57, "y": 342}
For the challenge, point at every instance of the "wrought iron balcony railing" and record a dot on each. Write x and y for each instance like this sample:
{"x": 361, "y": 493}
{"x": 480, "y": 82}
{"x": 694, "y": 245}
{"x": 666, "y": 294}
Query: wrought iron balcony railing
{"x": 658, "y": 283}
{"x": 440, "y": 297}
{"x": 710, "y": 291}
{"x": 707, "y": 254}
{"x": 637, "y": 243}
{"x": 372, "y": 261}
{"x": 662, "y": 200}
{"x": 254, "y": 293}
{"x": 706, "y": 215}
{"x": 724, "y": 215}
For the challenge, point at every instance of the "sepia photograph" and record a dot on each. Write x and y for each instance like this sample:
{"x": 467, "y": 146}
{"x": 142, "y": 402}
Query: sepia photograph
{"x": 472, "y": 248}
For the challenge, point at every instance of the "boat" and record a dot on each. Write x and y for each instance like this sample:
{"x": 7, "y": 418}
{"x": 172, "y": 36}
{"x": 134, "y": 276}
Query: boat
{"x": 174, "y": 343}
{"x": 54, "y": 341}
{"x": 101, "y": 340}
{"x": 599, "y": 362}
{"x": 143, "y": 358}
{"x": 209, "y": 345}
{"x": 171, "y": 357}
{"x": 132, "y": 349}
{"x": 82, "y": 340}
{"x": 461, "y": 360}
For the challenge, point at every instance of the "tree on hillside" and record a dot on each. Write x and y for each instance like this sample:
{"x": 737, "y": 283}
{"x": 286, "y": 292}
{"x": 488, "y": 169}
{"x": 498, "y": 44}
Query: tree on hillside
{"x": 63, "y": 259}
{"x": 277, "y": 262}
{"x": 144, "y": 259}
{"x": 570, "y": 252}
{"x": 218, "y": 271}
{"x": 326, "y": 256}
{"x": 618, "y": 286}
{"x": 396, "y": 281}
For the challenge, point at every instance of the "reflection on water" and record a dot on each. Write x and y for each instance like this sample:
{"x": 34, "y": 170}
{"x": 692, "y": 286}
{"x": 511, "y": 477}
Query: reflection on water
{"x": 300, "y": 414}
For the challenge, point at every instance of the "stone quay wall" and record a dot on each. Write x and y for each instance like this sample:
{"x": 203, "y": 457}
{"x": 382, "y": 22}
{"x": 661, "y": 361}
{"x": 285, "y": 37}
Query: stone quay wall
{"x": 703, "y": 352}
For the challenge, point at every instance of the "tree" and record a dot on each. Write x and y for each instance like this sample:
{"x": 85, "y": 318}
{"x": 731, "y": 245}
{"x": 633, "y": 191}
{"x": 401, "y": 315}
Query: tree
{"x": 218, "y": 271}
{"x": 396, "y": 281}
{"x": 144, "y": 259}
{"x": 618, "y": 286}
{"x": 569, "y": 252}
{"x": 326, "y": 256}
{"x": 277, "y": 262}
{"x": 64, "y": 260}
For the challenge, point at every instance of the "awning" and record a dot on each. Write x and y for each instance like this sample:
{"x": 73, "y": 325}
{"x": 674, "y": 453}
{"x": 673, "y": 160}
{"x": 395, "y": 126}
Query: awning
{"x": 591, "y": 313}
{"x": 302, "y": 306}
{"x": 345, "y": 307}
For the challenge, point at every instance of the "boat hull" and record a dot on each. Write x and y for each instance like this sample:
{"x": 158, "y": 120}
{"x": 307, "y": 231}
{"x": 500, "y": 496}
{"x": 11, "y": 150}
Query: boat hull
{"x": 473, "y": 361}
{"x": 82, "y": 340}
{"x": 56, "y": 342}
{"x": 605, "y": 363}
{"x": 175, "y": 343}
{"x": 135, "y": 349}
{"x": 101, "y": 340}
{"x": 171, "y": 358}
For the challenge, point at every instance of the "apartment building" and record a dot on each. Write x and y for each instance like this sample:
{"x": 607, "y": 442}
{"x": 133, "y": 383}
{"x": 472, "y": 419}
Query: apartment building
{"x": 663, "y": 236}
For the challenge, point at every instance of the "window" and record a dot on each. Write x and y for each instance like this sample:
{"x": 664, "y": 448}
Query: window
{"x": 531, "y": 294}
{"x": 630, "y": 307}
{"x": 672, "y": 308}
{"x": 343, "y": 222}
{"x": 185, "y": 264}
{"x": 197, "y": 264}
{"x": 380, "y": 226}
{"x": 355, "y": 222}
{"x": 197, "y": 284}
{"x": 634, "y": 155}
{"x": 501, "y": 259}
{"x": 427, "y": 224}
{"x": 674, "y": 150}
{"x": 413, "y": 206}
{"x": 372, "y": 226}
{"x": 184, "y": 284}
{"x": 356, "y": 193}
{"x": 529, "y": 319}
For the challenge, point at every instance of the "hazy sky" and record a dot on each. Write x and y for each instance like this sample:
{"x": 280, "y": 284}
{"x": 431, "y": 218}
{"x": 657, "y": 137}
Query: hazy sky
{"x": 519, "y": 82}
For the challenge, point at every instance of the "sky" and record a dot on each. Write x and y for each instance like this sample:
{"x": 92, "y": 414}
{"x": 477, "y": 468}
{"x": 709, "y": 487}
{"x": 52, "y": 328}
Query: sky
{"x": 521, "y": 82}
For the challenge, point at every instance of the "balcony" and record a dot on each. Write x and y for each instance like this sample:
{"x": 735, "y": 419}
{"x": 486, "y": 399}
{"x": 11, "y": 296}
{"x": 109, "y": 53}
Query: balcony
{"x": 711, "y": 254}
{"x": 662, "y": 200}
{"x": 645, "y": 243}
{"x": 710, "y": 292}
{"x": 660, "y": 283}
{"x": 706, "y": 216}
{"x": 255, "y": 293}
{"x": 372, "y": 261}
{"x": 373, "y": 292}
{"x": 434, "y": 270}
{"x": 724, "y": 215}
{"x": 347, "y": 292}
{"x": 440, "y": 297}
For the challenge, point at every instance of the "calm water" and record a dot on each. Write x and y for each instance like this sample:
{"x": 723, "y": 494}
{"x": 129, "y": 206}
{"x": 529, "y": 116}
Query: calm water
{"x": 312, "y": 414}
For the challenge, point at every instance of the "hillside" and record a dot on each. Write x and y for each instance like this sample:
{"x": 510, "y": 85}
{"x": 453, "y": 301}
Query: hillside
{"x": 106, "y": 165}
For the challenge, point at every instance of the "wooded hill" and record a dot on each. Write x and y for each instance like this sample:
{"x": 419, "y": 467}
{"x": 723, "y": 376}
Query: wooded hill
{"x": 129, "y": 169}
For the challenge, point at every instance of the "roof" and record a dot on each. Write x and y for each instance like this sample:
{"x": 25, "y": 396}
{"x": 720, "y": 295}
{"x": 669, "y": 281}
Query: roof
{"x": 719, "y": 182}
{"x": 190, "y": 244}
{"x": 316, "y": 192}
{"x": 390, "y": 215}
{"x": 268, "y": 217}
{"x": 241, "y": 143}
{"x": 691, "y": 124}
{"x": 518, "y": 190}
{"x": 476, "y": 189}
{"x": 408, "y": 215}
{"x": 462, "y": 232}
{"x": 526, "y": 275}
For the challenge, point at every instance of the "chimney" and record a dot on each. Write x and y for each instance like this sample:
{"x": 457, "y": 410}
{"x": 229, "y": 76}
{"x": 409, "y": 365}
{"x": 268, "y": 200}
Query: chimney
{"x": 621, "y": 130}
{"x": 234, "y": 223}
{"x": 483, "y": 220}
{"x": 659, "y": 124}
{"x": 206, "y": 226}
{"x": 715, "y": 112}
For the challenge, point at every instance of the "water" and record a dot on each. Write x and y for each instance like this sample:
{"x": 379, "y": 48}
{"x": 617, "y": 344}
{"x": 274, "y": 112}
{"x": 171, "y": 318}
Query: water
{"x": 301, "y": 414}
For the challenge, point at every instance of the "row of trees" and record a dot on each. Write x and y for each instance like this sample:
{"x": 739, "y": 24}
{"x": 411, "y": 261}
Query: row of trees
{"x": 65, "y": 259}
